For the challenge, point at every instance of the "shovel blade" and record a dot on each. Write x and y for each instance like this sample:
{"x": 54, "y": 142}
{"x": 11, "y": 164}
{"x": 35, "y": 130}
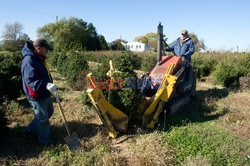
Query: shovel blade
{"x": 72, "y": 141}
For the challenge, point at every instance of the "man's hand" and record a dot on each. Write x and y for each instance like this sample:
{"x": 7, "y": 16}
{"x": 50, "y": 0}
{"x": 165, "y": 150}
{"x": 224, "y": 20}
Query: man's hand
{"x": 166, "y": 48}
{"x": 183, "y": 57}
{"x": 51, "y": 87}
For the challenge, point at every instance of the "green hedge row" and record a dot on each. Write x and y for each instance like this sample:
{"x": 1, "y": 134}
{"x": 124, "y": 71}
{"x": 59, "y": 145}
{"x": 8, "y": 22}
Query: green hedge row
{"x": 73, "y": 66}
{"x": 226, "y": 68}
{"x": 141, "y": 61}
{"x": 228, "y": 71}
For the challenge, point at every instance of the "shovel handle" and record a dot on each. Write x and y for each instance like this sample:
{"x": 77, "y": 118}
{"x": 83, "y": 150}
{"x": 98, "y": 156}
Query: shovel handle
{"x": 61, "y": 111}
{"x": 64, "y": 119}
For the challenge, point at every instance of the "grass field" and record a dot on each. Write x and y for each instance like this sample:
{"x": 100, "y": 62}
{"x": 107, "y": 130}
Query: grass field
{"x": 215, "y": 130}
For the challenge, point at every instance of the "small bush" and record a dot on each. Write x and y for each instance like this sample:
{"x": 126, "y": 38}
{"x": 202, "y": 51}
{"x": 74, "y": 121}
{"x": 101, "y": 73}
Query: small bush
{"x": 85, "y": 100}
{"x": 10, "y": 76}
{"x": 203, "y": 66}
{"x": 127, "y": 98}
{"x": 62, "y": 63}
{"x": 244, "y": 65}
{"x": 148, "y": 62}
{"x": 127, "y": 61}
{"x": 76, "y": 70}
{"x": 227, "y": 73}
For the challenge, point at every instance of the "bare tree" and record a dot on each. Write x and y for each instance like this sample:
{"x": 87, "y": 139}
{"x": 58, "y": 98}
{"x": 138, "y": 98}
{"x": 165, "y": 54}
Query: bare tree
{"x": 13, "y": 36}
{"x": 13, "y": 31}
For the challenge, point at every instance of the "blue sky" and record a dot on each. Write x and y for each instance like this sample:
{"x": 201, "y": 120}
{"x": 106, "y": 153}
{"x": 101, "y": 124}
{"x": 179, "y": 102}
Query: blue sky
{"x": 222, "y": 24}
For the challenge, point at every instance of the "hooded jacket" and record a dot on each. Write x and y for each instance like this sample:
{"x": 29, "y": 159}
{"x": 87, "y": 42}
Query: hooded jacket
{"x": 35, "y": 75}
{"x": 186, "y": 49}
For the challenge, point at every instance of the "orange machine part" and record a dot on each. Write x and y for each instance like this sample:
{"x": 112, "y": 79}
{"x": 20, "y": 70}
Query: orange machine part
{"x": 159, "y": 71}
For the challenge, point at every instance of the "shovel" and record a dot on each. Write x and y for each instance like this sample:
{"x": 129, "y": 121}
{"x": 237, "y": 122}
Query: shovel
{"x": 72, "y": 139}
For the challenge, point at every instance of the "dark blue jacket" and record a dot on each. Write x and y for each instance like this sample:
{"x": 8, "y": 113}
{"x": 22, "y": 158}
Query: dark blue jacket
{"x": 35, "y": 76}
{"x": 187, "y": 48}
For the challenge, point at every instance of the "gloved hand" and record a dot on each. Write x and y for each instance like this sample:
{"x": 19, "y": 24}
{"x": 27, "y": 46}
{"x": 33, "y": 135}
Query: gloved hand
{"x": 183, "y": 57}
{"x": 166, "y": 49}
{"x": 51, "y": 87}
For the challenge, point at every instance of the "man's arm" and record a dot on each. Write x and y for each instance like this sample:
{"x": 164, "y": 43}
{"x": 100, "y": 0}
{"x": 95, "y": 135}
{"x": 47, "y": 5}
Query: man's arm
{"x": 171, "y": 47}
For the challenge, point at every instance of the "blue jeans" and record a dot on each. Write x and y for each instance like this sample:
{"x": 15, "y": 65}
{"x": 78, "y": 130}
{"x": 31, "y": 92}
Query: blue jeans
{"x": 40, "y": 126}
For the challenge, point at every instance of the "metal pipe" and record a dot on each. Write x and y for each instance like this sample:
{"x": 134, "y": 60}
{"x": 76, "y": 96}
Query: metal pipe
{"x": 159, "y": 42}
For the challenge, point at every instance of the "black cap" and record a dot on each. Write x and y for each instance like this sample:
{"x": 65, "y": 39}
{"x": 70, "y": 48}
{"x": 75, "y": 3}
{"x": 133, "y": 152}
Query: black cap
{"x": 42, "y": 43}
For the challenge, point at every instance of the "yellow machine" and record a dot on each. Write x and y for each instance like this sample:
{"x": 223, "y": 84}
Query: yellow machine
{"x": 170, "y": 93}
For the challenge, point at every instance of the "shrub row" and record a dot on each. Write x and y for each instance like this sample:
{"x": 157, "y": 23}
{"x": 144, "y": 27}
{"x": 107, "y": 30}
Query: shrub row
{"x": 228, "y": 71}
{"x": 225, "y": 67}
{"x": 141, "y": 61}
{"x": 73, "y": 66}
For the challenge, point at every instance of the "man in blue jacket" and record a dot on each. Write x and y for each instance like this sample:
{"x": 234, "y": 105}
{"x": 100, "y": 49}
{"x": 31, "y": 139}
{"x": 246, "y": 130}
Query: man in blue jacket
{"x": 38, "y": 85}
{"x": 183, "y": 46}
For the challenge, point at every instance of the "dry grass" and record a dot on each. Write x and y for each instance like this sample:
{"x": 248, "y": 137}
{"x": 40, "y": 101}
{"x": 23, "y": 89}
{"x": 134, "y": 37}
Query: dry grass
{"x": 238, "y": 113}
{"x": 235, "y": 108}
{"x": 149, "y": 150}
{"x": 141, "y": 150}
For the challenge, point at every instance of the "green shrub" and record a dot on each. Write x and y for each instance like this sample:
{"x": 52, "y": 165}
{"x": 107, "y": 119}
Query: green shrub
{"x": 10, "y": 84}
{"x": 10, "y": 76}
{"x": 100, "y": 74}
{"x": 244, "y": 65}
{"x": 228, "y": 73}
{"x": 85, "y": 100}
{"x": 203, "y": 66}
{"x": 62, "y": 63}
{"x": 76, "y": 70}
{"x": 52, "y": 58}
{"x": 127, "y": 61}
{"x": 127, "y": 98}
{"x": 148, "y": 62}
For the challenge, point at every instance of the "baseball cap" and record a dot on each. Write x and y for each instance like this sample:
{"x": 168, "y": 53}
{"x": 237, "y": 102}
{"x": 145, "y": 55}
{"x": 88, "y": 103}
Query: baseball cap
{"x": 184, "y": 31}
{"x": 42, "y": 43}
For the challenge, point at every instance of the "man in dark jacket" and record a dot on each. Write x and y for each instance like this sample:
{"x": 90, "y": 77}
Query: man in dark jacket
{"x": 38, "y": 85}
{"x": 183, "y": 46}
